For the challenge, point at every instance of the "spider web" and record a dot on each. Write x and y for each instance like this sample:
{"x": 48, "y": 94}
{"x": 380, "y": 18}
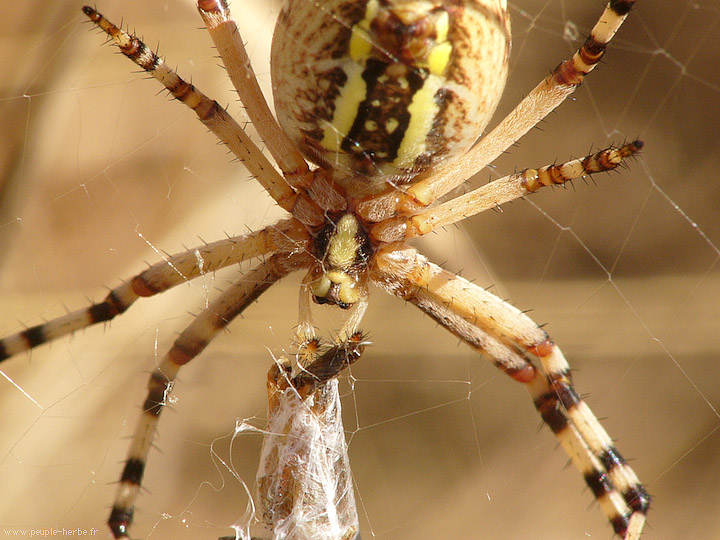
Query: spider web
{"x": 99, "y": 173}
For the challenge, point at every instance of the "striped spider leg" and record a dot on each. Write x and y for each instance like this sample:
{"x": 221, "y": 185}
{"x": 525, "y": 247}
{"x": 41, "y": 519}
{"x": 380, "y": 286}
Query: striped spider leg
{"x": 511, "y": 340}
{"x": 375, "y": 94}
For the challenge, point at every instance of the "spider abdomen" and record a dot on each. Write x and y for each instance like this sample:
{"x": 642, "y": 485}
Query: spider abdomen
{"x": 379, "y": 90}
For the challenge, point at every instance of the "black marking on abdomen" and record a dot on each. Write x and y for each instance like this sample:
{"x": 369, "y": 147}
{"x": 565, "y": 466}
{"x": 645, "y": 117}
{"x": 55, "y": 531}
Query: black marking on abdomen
{"x": 387, "y": 100}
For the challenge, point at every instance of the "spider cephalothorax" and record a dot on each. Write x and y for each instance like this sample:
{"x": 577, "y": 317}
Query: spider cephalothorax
{"x": 343, "y": 251}
{"x": 386, "y": 98}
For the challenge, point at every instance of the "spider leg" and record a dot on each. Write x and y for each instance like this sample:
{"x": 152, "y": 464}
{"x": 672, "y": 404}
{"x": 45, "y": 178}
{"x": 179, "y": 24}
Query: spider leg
{"x": 225, "y": 35}
{"x": 285, "y": 235}
{"x": 316, "y": 192}
{"x": 501, "y": 191}
{"x": 406, "y": 273}
{"x": 210, "y": 113}
{"x": 191, "y": 342}
{"x": 540, "y": 102}
{"x": 315, "y": 188}
{"x": 392, "y": 274}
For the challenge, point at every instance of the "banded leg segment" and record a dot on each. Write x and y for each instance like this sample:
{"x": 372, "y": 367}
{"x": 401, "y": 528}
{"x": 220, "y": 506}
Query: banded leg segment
{"x": 626, "y": 520}
{"x": 191, "y": 342}
{"x": 210, "y": 113}
{"x": 500, "y": 191}
{"x": 404, "y": 272}
{"x": 612, "y": 466}
{"x": 285, "y": 235}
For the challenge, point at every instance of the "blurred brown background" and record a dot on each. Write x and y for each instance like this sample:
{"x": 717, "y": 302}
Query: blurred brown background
{"x": 99, "y": 173}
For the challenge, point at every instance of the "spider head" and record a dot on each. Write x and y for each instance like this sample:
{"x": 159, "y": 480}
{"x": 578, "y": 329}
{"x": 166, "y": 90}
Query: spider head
{"x": 342, "y": 249}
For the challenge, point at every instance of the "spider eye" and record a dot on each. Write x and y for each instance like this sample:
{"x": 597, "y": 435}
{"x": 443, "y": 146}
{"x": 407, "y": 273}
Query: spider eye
{"x": 379, "y": 91}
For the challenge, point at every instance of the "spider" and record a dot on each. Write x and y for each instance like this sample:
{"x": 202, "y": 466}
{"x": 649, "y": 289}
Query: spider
{"x": 379, "y": 105}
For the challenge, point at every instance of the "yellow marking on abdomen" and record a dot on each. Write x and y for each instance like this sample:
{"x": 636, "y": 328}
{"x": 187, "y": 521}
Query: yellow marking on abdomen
{"x": 422, "y": 108}
{"x": 423, "y": 111}
{"x": 347, "y": 105}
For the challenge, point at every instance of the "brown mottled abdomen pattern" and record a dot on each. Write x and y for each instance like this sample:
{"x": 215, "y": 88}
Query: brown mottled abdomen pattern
{"x": 380, "y": 90}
